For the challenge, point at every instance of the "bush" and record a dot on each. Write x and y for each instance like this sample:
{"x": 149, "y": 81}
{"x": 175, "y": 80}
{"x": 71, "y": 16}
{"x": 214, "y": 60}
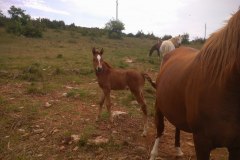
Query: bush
{"x": 31, "y": 31}
{"x": 14, "y": 27}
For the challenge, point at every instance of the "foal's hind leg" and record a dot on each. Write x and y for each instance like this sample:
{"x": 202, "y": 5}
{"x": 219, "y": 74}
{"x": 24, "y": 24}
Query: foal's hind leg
{"x": 140, "y": 99}
{"x": 159, "y": 122}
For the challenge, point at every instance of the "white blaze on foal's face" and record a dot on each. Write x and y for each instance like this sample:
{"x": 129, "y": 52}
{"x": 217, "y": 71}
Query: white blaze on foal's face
{"x": 99, "y": 61}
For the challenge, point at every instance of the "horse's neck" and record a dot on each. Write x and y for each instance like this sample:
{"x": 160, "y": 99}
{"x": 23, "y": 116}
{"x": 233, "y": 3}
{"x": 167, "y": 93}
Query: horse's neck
{"x": 174, "y": 42}
{"x": 106, "y": 66}
{"x": 154, "y": 47}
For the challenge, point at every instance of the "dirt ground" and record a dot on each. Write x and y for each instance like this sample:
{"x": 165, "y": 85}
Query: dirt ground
{"x": 66, "y": 129}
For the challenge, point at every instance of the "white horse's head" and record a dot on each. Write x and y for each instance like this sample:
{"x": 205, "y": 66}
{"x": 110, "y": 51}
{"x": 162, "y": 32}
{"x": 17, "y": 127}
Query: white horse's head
{"x": 179, "y": 39}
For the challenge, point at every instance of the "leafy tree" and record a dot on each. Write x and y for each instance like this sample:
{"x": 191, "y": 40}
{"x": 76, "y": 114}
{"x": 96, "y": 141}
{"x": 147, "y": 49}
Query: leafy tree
{"x": 1, "y": 14}
{"x": 17, "y": 14}
{"x": 166, "y": 37}
{"x": 140, "y": 34}
{"x": 3, "y": 19}
{"x": 198, "y": 40}
{"x": 114, "y": 28}
{"x": 185, "y": 39}
{"x": 21, "y": 24}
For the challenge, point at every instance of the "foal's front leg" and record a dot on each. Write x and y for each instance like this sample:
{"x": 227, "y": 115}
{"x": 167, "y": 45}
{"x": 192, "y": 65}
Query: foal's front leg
{"x": 108, "y": 104}
{"x": 101, "y": 102}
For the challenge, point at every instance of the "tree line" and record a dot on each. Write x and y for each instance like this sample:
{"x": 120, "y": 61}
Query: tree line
{"x": 20, "y": 23}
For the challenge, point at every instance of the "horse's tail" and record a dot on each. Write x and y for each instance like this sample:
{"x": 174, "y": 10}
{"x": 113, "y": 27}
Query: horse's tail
{"x": 147, "y": 77}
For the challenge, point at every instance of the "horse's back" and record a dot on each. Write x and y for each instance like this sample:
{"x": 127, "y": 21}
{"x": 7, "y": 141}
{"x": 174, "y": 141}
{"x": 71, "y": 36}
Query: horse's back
{"x": 122, "y": 79}
{"x": 166, "y": 47}
{"x": 171, "y": 82}
{"x": 135, "y": 80}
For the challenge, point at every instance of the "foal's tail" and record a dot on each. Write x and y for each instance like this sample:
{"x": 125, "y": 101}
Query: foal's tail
{"x": 147, "y": 77}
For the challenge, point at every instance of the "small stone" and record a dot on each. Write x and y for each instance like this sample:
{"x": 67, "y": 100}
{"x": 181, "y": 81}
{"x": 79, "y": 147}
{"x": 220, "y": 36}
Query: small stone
{"x": 21, "y": 130}
{"x": 38, "y": 131}
{"x": 69, "y": 87}
{"x": 25, "y": 135}
{"x": 118, "y": 113}
{"x": 99, "y": 140}
{"x": 75, "y": 138}
{"x": 39, "y": 155}
{"x": 47, "y": 104}
{"x": 42, "y": 139}
{"x": 134, "y": 103}
{"x": 55, "y": 131}
{"x": 64, "y": 94}
{"x": 62, "y": 148}
{"x": 75, "y": 148}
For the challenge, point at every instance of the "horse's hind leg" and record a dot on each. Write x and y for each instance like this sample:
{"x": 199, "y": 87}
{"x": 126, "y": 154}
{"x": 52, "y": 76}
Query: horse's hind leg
{"x": 140, "y": 99}
{"x": 101, "y": 102}
{"x": 179, "y": 152}
{"x": 203, "y": 146}
{"x": 159, "y": 122}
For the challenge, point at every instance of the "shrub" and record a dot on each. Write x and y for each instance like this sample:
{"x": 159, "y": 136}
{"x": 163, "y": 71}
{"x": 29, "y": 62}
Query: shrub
{"x": 31, "y": 31}
{"x": 14, "y": 27}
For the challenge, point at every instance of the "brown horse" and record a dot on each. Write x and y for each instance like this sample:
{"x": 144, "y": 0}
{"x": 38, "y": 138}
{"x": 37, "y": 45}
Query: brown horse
{"x": 155, "y": 47}
{"x": 119, "y": 79}
{"x": 199, "y": 92}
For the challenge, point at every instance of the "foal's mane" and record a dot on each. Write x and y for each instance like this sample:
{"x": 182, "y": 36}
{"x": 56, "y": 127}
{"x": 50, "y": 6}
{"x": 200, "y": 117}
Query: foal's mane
{"x": 107, "y": 65}
{"x": 221, "y": 52}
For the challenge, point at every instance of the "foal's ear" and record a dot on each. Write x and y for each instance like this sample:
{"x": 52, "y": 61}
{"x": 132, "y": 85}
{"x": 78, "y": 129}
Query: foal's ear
{"x": 101, "y": 52}
{"x": 93, "y": 50}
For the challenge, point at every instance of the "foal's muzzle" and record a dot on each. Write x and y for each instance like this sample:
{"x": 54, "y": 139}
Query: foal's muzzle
{"x": 99, "y": 69}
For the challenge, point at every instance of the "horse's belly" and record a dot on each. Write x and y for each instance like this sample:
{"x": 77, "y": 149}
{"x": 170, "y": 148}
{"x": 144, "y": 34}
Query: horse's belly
{"x": 118, "y": 86}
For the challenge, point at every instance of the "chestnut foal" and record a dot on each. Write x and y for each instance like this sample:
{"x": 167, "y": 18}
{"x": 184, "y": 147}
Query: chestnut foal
{"x": 118, "y": 79}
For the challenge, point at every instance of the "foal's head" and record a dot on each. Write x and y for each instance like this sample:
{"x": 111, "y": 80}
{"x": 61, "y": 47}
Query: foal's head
{"x": 97, "y": 60}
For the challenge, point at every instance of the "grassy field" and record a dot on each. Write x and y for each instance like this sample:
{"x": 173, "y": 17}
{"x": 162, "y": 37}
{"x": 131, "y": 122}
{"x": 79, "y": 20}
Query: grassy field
{"x": 48, "y": 93}
{"x": 57, "y": 69}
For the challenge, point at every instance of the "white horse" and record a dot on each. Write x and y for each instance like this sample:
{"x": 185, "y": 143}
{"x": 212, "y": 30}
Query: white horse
{"x": 170, "y": 44}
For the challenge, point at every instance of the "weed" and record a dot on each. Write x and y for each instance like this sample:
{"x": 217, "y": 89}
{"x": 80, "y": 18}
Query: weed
{"x": 86, "y": 71}
{"x": 122, "y": 65}
{"x": 72, "y": 41}
{"x": 78, "y": 93}
{"x": 58, "y": 71}
{"x": 33, "y": 73}
{"x": 104, "y": 116}
{"x": 59, "y": 56}
{"x": 88, "y": 131}
{"x": 33, "y": 89}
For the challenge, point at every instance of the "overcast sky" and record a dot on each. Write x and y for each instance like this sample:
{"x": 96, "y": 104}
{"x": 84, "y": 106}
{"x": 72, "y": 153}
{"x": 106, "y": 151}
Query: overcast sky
{"x": 160, "y": 17}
